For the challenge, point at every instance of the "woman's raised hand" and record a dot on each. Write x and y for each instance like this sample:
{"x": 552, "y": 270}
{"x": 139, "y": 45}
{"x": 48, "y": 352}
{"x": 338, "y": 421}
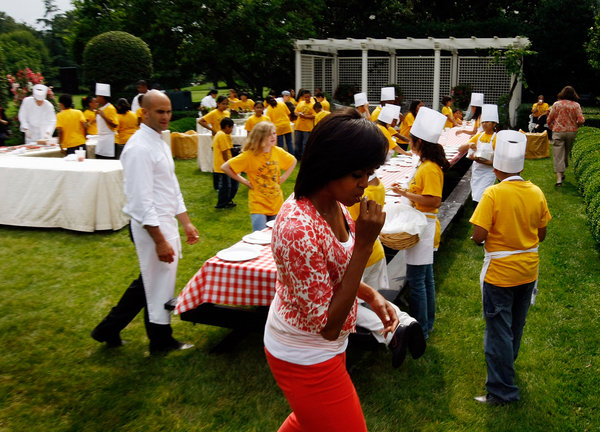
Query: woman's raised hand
{"x": 369, "y": 222}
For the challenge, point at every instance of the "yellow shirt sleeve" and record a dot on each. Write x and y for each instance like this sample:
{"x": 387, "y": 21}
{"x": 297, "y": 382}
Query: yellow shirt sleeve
{"x": 428, "y": 180}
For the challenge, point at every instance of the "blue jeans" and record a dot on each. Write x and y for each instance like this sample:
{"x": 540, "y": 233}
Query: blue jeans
{"x": 227, "y": 188}
{"x": 422, "y": 295}
{"x": 259, "y": 221}
{"x": 505, "y": 310}
{"x": 288, "y": 142}
{"x": 301, "y": 138}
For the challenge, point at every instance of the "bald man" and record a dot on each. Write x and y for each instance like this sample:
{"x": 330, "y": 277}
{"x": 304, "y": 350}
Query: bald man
{"x": 155, "y": 204}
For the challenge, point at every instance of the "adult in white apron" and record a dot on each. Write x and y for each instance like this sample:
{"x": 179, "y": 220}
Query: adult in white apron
{"x": 425, "y": 193}
{"x": 154, "y": 212}
{"x": 482, "y": 153}
{"x": 105, "y": 117}
{"x": 37, "y": 117}
{"x": 511, "y": 218}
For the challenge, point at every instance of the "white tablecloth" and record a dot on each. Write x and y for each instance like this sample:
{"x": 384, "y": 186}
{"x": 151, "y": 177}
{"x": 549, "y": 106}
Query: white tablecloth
{"x": 54, "y": 193}
{"x": 205, "y": 138}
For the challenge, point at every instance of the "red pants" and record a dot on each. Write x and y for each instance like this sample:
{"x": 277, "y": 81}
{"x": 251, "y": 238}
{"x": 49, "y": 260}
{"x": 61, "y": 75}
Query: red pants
{"x": 322, "y": 396}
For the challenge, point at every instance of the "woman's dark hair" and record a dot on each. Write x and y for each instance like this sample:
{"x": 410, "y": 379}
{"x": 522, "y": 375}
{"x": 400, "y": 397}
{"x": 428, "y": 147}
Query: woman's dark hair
{"x": 341, "y": 143}
{"x": 302, "y": 92}
{"x": 122, "y": 106}
{"x": 413, "y": 107}
{"x": 221, "y": 99}
{"x": 66, "y": 100}
{"x": 259, "y": 102}
{"x": 226, "y": 122}
{"x": 211, "y": 92}
{"x": 477, "y": 113}
{"x": 271, "y": 101}
{"x": 445, "y": 100}
{"x": 568, "y": 93}
{"x": 85, "y": 101}
{"x": 431, "y": 151}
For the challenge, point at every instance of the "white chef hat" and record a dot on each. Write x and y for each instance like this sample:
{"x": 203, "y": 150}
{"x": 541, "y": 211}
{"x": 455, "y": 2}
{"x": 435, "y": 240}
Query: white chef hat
{"x": 428, "y": 125}
{"x": 509, "y": 155}
{"x": 102, "y": 89}
{"x": 388, "y": 113}
{"x": 489, "y": 112}
{"x": 477, "y": 99}
{"x": 40, "y": 91}
{"x": 388, "y": 93}
{"x": 360, "y": 99}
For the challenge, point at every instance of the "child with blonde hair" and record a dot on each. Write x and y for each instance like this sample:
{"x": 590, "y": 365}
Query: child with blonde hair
{"x": 262, "y": 161}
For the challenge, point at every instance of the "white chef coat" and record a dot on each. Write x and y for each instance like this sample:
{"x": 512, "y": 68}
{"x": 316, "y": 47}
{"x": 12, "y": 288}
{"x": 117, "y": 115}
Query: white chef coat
{"x": 105, "y": 144}
{"x": 208, "y": 102}
{"x": 153, "y": 198}
{"x": 135, "y": 103}
{"x": 39, "y": 120}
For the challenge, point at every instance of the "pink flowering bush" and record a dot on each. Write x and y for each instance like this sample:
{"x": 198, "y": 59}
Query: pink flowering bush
{"x": 22, "y": 85}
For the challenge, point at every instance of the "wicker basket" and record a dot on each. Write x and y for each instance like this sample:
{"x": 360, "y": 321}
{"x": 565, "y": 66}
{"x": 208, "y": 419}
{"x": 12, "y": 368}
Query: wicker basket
{"x": 399, "y": 241}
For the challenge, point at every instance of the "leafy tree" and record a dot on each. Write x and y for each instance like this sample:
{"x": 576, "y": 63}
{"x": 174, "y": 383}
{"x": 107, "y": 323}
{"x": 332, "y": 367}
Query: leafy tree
{"x": 22, "y": 49}
{"x": 116, "y": 57}
{"x": 592, "y": 47}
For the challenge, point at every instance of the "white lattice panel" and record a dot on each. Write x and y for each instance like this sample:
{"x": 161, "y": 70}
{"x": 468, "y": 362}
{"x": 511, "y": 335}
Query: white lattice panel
{"x": 415, "y": 77}
{"x": 379, "y": 76}
{"x": 307, "y": 80}
{"x": 484, "y": 77}
{"x": 324, "y": 73}
{"x": 350, "y": 71}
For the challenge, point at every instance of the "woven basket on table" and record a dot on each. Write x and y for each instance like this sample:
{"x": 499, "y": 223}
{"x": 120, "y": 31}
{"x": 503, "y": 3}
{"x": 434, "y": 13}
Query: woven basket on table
{"x": 399, "y": 241}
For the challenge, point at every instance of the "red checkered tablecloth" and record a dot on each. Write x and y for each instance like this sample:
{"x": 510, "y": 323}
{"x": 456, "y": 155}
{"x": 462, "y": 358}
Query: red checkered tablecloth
{"x": 247, "y": 283}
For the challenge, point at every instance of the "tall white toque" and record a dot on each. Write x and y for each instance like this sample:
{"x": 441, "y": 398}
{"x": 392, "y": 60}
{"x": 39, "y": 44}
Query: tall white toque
{"x": 489, "y": 112}
{"x": 477, "y": 99}
{"x": 40, "y": 91}
{"x": 388, "y": 113}
{"x": 428, "y": 125}
{"x": 102, "y": 89}
{"x": 388, "y": 93}
{"x": 509, "y": 155}
{"x": 360, "y": 99}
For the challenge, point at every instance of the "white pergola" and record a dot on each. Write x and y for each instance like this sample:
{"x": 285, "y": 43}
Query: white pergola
{"x": 331, "y": 48}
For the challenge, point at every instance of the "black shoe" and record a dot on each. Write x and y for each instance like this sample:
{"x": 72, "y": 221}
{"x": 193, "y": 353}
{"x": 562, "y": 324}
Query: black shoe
{"x": 175, "y": 346}
{"x": 490, "y": 399}
{"x": 111, "y": 342}
{"x": 415, "y": 339}
{"x": 558, "y": 184}
{"x": 398, "y": 346}
{"x": 230, "y": 204}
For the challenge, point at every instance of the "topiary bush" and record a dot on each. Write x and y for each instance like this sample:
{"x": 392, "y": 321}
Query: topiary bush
{"x": 585, "y": 158}
{"x": 116, "y": 58}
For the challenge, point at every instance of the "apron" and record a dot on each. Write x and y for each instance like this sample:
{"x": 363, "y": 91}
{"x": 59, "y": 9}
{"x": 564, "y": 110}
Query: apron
{"x": 105, "y": 144}
{"x": 422, "y": 252}
{"x": 482, "y": 176}
{"x": 158, "y": 276}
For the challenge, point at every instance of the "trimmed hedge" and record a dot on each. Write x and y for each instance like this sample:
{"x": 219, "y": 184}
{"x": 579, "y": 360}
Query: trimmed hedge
{"x": 585, "y": 158}
{"x": 183, "y": 124}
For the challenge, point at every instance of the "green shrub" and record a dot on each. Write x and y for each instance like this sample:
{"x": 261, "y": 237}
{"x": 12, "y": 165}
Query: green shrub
{"x": 117, "y": 58}
{"x": 176, "y": 115}
{"x": 585, "y": 158}
{"x": 183, "y": 124}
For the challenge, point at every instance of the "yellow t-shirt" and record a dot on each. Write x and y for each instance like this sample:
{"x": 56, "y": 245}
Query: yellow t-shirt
{"x": 221, "y": 142}
{"x": 543, "y": 109}
{"x": 512, "y": 212}
{"x": 447, "y": 111}
{"x": 214, "y": 118}
{"x": 253, "y": 121}
{"x": 128, "y": 124}
{"x": 320, "y": 116}
{"x": 70, "y": 122}
{"x": 406, "y": 124}
{"x": 263, "y": 172}
{"x": 485, "y": 138}
{"x": 280, "y": 116}
{"x": 302, "y": 124}
{"x": 391, "y": 143}
{"x": 233, "y": 103}
{"x": 90, "y": 117}
{"x": 293, "y": 101}
{"x": 428, "y": 180}
{"x": 377, "y": 194}
{"x": 110, "y": 112}
{"x": 246, "y": 106}
{"x": 139, "y": 114}
{"x": 326, "y": 105}
{"x": 375, "y": 113}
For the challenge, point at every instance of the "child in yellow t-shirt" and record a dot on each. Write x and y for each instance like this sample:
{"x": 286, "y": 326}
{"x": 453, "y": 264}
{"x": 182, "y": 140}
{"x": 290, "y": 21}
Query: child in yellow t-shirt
{"x": 128, "y": 124}
{"x": 212, "y": 120}
{"x": 447, "y": 111}
{"x": 257, "y": 117}
{"x": 245, "y": 104}
{"x": 321, "y": 113}
{"x": 70, "y": 126}
{"x": 91, "y": 105}
{"x": 222, "y": 145}
{"x": 262, "y": 161}
{"x": 305, "y": 122}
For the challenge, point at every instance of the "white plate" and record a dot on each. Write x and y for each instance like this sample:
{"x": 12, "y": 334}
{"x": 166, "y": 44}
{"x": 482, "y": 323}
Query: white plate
{"x": 236, "y": 254}
{"x": 258, "y": 237}
{"x": 271, "y": 223}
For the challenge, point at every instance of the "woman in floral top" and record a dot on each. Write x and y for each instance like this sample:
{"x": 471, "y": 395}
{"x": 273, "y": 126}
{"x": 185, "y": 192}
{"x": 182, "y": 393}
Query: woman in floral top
{"x": 564, "y": 119}
{"x": 320, "y": 255}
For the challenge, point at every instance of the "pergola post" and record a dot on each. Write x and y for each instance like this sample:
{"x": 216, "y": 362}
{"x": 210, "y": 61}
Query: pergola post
{"x": 454, "y": 69}
{"x": 436, "y": 77}
{"x": 336, "y": 71}
{"x": 393, "y": 72}
{"x": 298, "y": 68}
{"x": 364, "y": 85}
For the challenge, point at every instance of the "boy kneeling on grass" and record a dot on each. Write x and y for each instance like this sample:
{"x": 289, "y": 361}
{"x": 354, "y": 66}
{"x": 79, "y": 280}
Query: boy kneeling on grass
{"x": 222, "y": 145}
{"x": 511, "y": 219}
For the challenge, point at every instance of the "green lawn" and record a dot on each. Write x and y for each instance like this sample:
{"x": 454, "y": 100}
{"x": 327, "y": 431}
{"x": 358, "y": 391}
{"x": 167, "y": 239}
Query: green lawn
{"x": 56, "y": 285}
